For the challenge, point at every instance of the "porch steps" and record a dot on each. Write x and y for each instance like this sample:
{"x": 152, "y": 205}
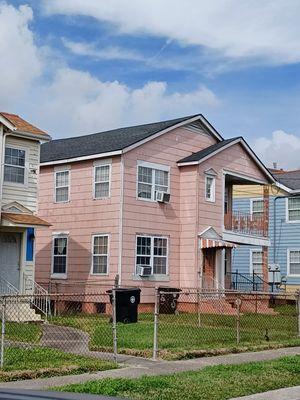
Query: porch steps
{"x": 250, "y": 305}
{"x": 21, "y": 312}
{"x": 217, "y": 306}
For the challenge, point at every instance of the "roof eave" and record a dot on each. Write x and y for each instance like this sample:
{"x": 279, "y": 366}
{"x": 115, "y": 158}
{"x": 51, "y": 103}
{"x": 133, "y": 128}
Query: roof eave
{"x": 36, "y": 136}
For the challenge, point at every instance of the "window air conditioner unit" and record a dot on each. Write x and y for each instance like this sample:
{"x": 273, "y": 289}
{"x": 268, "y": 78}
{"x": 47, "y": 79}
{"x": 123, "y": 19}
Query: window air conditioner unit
{"x": 162, "y": 197}
{"x": 144, "y": 270}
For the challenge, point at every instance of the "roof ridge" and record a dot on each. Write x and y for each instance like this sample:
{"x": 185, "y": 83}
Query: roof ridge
{"x": 127, "y": 127}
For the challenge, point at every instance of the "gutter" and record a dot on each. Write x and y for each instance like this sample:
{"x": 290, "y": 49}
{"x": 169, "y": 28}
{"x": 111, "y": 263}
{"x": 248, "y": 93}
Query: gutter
{"x": 2, "y": 154}
{"x": 121, "y": 220}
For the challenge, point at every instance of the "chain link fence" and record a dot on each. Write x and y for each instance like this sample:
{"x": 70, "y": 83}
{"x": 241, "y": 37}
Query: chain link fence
{"x": 92, "y": 328}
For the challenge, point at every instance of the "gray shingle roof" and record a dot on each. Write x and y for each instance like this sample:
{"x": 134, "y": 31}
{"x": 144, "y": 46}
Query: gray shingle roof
{"x": 291, "y": 179}
{"x": 207, "y": 151}
{"x": 103, "y": 142}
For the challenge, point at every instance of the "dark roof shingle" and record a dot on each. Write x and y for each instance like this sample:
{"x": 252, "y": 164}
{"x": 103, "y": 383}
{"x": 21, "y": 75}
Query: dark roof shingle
{"x": 291, "y": 179}
{"x": 103, "y": 142}
{"x": 207, "y": 151}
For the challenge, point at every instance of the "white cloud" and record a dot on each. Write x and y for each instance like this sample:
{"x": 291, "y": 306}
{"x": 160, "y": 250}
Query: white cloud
{"x": 266, "y": 31}
{"x": 20, "y": 63}
{"x": 105, "y": 53}
{"x": 281, "y": 147}
{"x": 76, "y": 102}
{"x": 66, "y": 101}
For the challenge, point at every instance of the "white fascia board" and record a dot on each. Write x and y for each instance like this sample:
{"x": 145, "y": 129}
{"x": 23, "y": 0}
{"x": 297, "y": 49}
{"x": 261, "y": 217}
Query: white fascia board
{"x": 210, "y": 127}
{"x": 240, "y": 238}
{"x": 188, "y": 121}
{"x": 209, "y": 155}
{"x": 38, "y": 136}
{"x": 6, "y": 123}
{"x": 243, "y": 176}
{"x": 82, "y": 158}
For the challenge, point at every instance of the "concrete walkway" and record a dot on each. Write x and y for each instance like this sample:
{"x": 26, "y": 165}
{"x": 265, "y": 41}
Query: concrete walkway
{"x": 292, "y": 393}
{"x": 136, "y": 367}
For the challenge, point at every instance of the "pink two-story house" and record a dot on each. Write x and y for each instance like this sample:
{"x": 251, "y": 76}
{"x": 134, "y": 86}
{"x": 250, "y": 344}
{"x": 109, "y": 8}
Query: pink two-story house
{"x": 149, "y": 203}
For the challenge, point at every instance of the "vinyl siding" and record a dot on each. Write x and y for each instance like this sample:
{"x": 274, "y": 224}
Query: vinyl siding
{"x": 24, "y": 194}
{"x": 287, "y": 236}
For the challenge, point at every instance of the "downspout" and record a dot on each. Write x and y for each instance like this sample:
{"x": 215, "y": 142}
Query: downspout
{"x": 121, "y": 219}
{"x": 2, "y": 147}
{"x": 198, "y": 262}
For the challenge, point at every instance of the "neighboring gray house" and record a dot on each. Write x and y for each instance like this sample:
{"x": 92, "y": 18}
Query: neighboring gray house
{"x": 284, "y": 232}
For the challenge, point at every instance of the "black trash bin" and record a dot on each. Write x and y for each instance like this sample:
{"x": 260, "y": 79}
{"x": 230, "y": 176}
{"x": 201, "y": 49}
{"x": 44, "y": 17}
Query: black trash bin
{"x": 127, "y": 301}
{"x": 168, "y": 298}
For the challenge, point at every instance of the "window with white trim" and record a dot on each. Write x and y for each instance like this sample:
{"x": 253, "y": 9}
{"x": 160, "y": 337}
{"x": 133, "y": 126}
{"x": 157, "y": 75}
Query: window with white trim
{"x": 152, "y": 251}
{"x": 100, "y": 255}
{"x": 294, "y": 262}
{"x": 257, "y": 207}
{"x": 151, "y": 180}
{"x": 102, "y": 181}
{"x": 62, "y": 186}
{"x": 210, "y": 187}
{"x": 257, "y": 261}
{"x": 293, "y": 209}
{"x": 59, "y": 255}
{"x": 14, "y": 165}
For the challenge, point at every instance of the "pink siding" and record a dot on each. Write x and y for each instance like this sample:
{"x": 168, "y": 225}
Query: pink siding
{"x": 181, "y": 220}
{"x": 81, "y": 218}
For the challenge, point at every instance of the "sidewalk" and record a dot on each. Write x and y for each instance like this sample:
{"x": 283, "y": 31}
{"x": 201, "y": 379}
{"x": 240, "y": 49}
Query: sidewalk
{"x": 137, "y": 367}
{"x": 280, "y": 394}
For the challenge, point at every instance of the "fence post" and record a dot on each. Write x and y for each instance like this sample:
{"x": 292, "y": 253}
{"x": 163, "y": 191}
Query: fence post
{"x": 155, "y": 330}
{"x": 114, "y": 324}
{"x": 238, "y": 315}
{"x": 199, "y": 307}
{"x": 298, "y": 310}
{"x": 2, "y": 332}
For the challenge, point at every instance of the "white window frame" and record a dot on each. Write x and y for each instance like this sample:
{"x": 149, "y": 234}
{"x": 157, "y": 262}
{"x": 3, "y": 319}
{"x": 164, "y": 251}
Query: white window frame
{"x": 153, "y": 166}
{"x": 212, "y": 198}
{"x": 55, "y": 275}
{"x": 296, "y": 221}
{"x": 251, "y": 204}
{"x": 99, "y": 165}
{"x": 251, "y": 259}
{"x": 152, "y": 254}
{"x": 108, "y": 254}
{"x": 288, "y": 257}
{"x": 57, "y": 187}
{"x": 8, "y": 183}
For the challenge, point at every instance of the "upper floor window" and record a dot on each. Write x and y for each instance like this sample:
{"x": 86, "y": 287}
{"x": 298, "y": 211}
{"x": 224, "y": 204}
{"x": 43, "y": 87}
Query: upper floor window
{"x": 152, "y": 251}
{"x": 293, "y": 262}
{"x": 257, "y": 207}
{"x": 293, "y": 209}
{"x": 257, "y": 261}
{"x": 59, "y": 255}
{"x": 210, "y": 188}
{"x": 62, "y": 186}
{"x": 100, "y": 255}
{"x": 151, "y": 179}
{"x": 14, "y": 165}
{"x": 102, "y": 181}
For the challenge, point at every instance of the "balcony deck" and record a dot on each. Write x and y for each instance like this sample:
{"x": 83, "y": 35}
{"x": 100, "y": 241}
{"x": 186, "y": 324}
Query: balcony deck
{"x": 245, "y": 224}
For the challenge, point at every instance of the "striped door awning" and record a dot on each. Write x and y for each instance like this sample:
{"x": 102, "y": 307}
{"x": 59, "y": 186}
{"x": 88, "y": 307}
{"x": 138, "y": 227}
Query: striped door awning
{"x": 209, "y": 243}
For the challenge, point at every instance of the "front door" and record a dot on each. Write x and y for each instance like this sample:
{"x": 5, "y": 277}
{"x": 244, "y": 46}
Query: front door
{"x": 209, "y": 268}
{"x": 10, "y": 246}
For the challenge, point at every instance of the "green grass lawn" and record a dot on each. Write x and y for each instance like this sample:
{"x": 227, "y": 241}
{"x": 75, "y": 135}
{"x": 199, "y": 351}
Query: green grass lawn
{"x": 180, "y": 336}
{"x": 211, "y": 383}
{"x": 31, "y": 363}
{"x": 23, "y": 332}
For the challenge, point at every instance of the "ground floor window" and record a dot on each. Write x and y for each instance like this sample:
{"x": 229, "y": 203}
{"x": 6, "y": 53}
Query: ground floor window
{"x": 257, "y": 261}
{"x": 294, "y": 262}
{"x": 100, "y": 255}
{"x": 152, "y": 251}
{"x": 59, "y": 256}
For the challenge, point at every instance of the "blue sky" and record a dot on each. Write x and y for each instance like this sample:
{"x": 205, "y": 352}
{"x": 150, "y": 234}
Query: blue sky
{"x": 81, "y": 66}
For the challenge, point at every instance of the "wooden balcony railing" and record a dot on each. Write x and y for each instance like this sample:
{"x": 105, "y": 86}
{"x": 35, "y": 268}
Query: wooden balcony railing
{"x": 245, "y": 224}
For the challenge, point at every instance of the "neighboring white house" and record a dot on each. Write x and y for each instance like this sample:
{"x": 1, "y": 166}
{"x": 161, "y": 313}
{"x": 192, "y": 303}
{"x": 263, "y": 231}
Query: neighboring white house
{"x": 19, "y": 171}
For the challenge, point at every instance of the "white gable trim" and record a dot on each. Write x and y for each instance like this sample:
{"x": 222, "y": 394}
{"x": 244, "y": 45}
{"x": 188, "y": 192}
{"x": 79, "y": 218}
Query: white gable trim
{"x": 6, "y": 123}
{"x": 188, "y": 121}
{"x": 140, "y": 143}
{"x": 210, "y": 233}
{"x": 245, "y": 146}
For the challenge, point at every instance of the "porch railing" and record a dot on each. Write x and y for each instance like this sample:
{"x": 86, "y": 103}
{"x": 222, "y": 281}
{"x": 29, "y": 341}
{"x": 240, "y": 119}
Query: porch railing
{"x": 40, "y": 300}
{"x": 245, "y": 224}
{"x": 7, "y": 288}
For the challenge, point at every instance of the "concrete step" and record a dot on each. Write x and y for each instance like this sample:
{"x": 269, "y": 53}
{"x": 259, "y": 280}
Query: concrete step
{"x": 21, "y": 312}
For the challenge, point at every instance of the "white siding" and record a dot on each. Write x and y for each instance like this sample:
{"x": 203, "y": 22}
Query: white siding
{"x": 24, "y": 194}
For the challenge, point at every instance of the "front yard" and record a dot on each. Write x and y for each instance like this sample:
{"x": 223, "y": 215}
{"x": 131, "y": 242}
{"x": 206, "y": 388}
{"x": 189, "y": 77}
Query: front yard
{"x": 212, "y": 383}
{"x": 180, "y": 336}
